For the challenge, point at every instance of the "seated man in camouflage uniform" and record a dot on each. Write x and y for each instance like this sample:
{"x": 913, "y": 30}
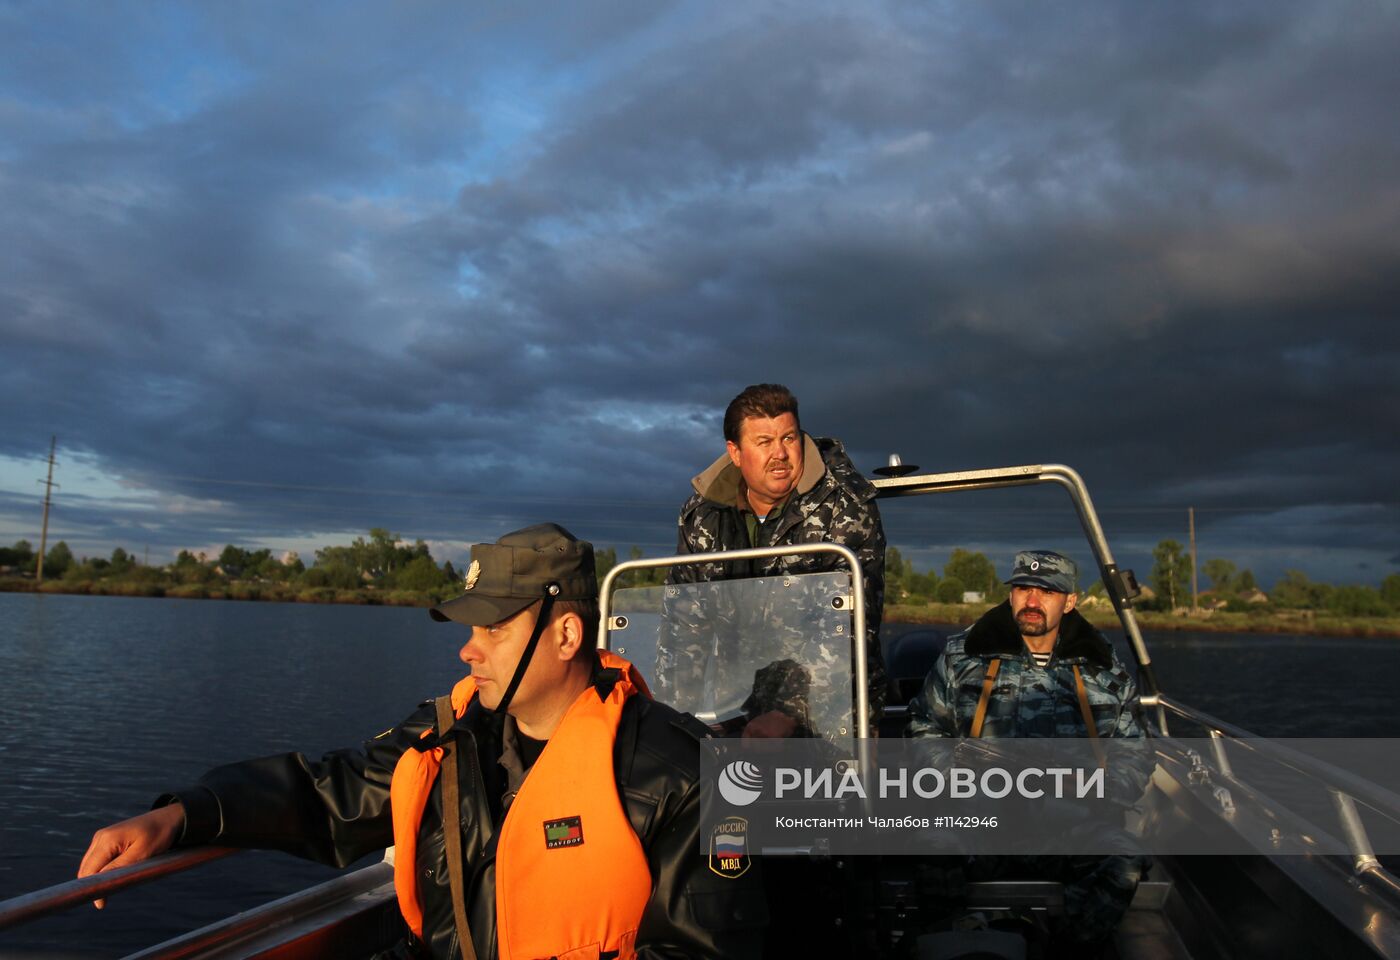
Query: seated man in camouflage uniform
{"x": 774, "y": 485}
{"x": 1033, "y": 667}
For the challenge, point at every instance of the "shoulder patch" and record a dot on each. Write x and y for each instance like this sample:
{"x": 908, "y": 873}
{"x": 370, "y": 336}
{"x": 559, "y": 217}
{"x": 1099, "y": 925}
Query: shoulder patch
{"x": 729, "y": 848}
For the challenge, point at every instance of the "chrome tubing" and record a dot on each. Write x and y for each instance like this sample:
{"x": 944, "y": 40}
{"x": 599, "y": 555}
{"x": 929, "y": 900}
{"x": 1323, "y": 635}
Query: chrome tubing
{"x": 1363, "y": 854}
{"x": 61, "y": 896}
{"x": 921, "y": 483}
{"x": 1068, "y": 478}
{"x": 1089, "y": 520}
{"x": 763, "y": 553}
{"x": 1345, "y": 788}
{"x": 282, "y": 920}
{"x": 1217, "y": 748}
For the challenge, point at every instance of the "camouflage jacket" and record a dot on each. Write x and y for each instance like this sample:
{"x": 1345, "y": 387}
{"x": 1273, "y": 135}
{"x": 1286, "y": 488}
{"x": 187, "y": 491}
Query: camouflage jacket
{"x": 832, "y": 503}
{"x": 1032, "y": 701}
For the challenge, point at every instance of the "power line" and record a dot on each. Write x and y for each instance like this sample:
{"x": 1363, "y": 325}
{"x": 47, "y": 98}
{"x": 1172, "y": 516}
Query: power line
{"x": 384, "y": 491}
{"x": 388, "y": 492}
{"x": 460, "y": 496}
{"x": 912, "y": 518}
{"x": 989, "y": 523}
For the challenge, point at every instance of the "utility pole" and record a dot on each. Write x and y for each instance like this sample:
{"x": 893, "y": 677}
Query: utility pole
{"x": 1191, "y": 521}
{"x": 48, "y": 496}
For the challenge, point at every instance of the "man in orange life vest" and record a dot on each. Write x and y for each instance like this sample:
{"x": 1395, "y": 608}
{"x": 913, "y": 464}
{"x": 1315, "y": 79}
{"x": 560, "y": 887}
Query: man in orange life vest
{"x": 577, "y": 821}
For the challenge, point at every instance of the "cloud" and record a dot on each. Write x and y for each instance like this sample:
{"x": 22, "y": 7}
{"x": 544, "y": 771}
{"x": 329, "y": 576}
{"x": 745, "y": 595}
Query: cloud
{"x": 480, "y": 258}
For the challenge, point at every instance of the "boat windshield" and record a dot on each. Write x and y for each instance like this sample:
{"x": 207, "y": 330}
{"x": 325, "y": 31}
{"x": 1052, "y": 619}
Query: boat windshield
{"x": 769, "y": 656}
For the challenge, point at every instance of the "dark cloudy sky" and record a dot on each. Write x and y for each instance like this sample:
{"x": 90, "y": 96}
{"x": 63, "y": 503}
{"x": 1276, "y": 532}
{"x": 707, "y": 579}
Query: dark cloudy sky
{"x": 277, "y": 273}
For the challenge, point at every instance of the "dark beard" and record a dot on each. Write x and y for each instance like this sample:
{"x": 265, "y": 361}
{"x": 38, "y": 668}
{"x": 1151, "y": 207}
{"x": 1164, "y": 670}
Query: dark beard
{"x": 1033, "y": 628}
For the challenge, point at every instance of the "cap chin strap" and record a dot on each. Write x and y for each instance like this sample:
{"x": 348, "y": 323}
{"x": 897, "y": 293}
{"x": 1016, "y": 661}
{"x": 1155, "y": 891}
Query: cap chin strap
{"x": 541, "y": 621}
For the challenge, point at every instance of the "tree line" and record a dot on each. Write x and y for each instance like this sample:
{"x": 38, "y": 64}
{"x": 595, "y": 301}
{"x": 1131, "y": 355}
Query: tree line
{"x": 1223, "y": 585}
{"x": 380, "y": 562}
{"x": 383, "y": 562}
{"x": 1236, "y": 589}
{"x": 966, "y": 571}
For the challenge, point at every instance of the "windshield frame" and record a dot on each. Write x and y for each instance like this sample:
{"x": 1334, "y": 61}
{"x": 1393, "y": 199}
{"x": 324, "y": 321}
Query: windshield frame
{"x": 859, "y": 674}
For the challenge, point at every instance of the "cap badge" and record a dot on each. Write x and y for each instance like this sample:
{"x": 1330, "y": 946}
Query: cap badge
{"x": 473, "y": 574}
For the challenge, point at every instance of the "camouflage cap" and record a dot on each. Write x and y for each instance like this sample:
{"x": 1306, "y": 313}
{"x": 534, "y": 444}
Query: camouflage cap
{"x": 1043, "y": 568}
{"x": 507, "y": 576}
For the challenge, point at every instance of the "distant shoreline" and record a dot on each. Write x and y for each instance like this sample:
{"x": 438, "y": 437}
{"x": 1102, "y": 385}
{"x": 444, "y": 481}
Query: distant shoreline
{"x": 236, "y": 590}
{"x": 1300, "y": 622}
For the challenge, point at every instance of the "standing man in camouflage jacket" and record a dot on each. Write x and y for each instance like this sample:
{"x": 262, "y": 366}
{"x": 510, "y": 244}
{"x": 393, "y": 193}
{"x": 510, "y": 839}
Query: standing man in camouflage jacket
{"x": 1033, "y": 667}
{"x": 775, "y": 485}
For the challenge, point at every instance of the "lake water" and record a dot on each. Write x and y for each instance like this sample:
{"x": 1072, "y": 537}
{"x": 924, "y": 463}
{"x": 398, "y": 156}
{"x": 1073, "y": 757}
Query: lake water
{"x": 106, "y": 702}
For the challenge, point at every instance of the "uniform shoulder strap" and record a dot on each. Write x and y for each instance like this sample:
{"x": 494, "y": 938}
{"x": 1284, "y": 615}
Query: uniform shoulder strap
{"x": 452, "y": 825}
{"x": 981, "y": 714}
{"x": 1088, "y": 715}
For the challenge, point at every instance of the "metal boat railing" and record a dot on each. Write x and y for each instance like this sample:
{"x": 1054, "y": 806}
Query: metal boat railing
{"x": 261, "y": 931}
{"x": 334, "y": 918}
{"x": 1345, "y": 789}
{"x": 1119, "y": 584}
{"x": 31, "y": 906}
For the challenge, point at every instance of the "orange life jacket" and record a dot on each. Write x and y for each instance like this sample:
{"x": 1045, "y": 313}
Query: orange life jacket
{"x": 571, "y": 876}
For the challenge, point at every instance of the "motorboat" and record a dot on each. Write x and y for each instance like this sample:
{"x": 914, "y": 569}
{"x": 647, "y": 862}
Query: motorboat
{"x": 1262, "y": 876}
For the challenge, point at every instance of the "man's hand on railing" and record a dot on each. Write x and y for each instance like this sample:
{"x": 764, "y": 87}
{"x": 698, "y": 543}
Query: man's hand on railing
{"x": 132, "y": 841}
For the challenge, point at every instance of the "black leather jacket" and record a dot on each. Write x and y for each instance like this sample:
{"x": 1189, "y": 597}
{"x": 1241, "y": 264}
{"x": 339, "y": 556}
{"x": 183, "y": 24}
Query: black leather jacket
{"x": 336, "y": 810}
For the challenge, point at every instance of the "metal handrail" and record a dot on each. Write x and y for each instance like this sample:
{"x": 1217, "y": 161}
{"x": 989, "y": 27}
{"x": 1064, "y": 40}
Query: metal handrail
{"x": 763, "y": 553}
{"x": 1056, "y": 473}
{"x": 31, "y": 906}
{"x": 1345, "y": 788}
{"x": 279, "y": 919}
{"x": 1353, "y": 788}
{"x": 1382, "y": 801}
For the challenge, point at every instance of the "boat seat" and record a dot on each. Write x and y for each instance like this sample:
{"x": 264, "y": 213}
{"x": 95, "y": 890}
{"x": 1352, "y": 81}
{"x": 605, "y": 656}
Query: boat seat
{"x": 1045, "y": 896}
{"x": 974, "y": 945}
{"x": 997, "y": 903}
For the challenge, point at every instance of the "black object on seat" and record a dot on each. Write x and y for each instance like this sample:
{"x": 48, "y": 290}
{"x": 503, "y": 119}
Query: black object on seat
{"x": 910, "y": 656}
{"x": 970, "y": 945}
